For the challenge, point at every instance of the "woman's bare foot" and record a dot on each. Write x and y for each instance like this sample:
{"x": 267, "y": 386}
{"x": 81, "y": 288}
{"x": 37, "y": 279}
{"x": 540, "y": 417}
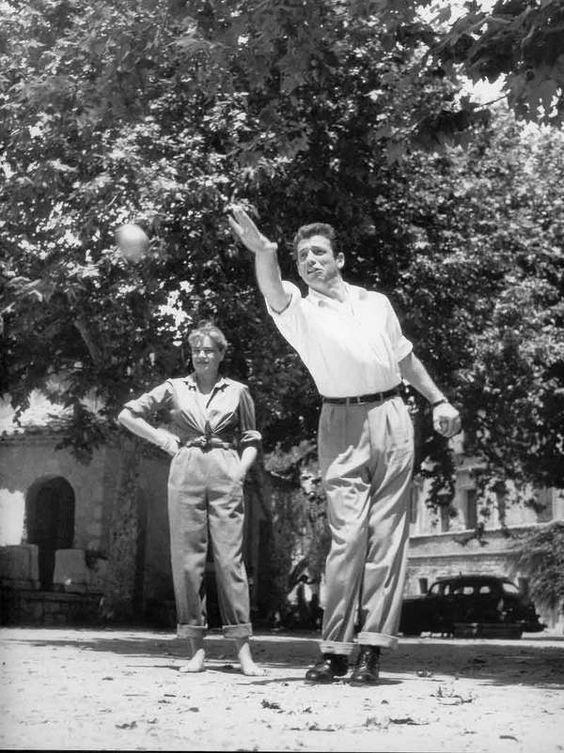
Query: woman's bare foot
{"x": 252, "y": 670}
{"x": 248, "y": 666}
{"x": 198, "y": 661}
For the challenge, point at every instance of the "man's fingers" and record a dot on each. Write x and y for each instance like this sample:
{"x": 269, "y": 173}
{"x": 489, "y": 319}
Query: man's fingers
{"x": 448, "y": 427}
{"x": 239, "y": 214}
{"x": 237, "y": 229}
{"x": 446, "y": 420}
{"x": 247, "y": 224}
{"x": 234, "y": 225}
{"x": 244, "y": 220}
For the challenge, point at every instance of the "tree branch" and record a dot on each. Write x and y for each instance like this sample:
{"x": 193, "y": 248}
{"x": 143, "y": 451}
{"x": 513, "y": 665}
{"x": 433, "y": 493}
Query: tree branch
{"x": 96, "y": 353}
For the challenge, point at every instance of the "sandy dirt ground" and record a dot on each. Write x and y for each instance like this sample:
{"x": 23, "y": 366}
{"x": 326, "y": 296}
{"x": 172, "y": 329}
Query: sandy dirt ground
{"x": 80, "y": 689}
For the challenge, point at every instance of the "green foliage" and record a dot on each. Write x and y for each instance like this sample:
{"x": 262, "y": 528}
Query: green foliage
{"x": 519, "y": 40}
{"x": 305, "y": 507}
{"x": 165, "y": 112}
{"x": 541, "y": 556}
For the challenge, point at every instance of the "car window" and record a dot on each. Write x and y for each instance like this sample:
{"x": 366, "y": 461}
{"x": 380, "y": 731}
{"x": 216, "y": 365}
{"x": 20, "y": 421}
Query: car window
{"x": 485, "y": 590}
{"x": 510, "y": 588}
{"x": 461, "y": 589}
{"x": 435, "y": 589}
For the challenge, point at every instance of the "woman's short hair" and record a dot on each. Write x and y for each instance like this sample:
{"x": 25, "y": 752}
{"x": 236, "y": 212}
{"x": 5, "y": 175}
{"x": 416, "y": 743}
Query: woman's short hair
{"x": 315, "y": 228}
{"x": 208, "y": 329}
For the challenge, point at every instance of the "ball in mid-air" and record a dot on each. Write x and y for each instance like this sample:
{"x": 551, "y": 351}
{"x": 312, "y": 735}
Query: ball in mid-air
{"x": 132, "y": 241}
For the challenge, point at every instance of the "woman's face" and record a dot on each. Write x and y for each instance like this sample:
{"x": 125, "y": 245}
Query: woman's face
{"x": 206, "y": 357}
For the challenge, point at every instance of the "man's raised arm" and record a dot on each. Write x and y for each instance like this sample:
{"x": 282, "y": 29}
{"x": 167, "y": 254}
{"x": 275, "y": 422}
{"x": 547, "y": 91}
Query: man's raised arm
{"x": 266, "y": 259}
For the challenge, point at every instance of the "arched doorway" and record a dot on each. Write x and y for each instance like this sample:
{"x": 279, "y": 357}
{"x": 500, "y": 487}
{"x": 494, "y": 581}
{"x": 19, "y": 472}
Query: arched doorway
{"x": 50, "y": 522}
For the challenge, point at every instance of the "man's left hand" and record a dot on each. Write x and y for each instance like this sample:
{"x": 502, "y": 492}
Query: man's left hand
{"x": 446, "y": 420}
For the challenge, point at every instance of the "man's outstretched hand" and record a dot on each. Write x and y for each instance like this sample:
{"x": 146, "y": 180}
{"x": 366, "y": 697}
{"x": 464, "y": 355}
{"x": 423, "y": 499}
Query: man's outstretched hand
{"x": 248, "y": 233}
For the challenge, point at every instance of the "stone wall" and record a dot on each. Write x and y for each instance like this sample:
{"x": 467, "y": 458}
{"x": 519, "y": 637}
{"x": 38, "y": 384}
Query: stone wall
{"x": 157, "y": 575}
{"x": 28, "y": 461}
{"x": 27, "y": 607}
{"x": 25, "y": 462}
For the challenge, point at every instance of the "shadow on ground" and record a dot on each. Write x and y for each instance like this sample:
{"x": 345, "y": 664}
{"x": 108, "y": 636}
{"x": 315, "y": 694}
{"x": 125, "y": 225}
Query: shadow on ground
{"x": 537, "y": 662}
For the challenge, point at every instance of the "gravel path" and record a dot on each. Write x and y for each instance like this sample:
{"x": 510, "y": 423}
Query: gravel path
{"x": 79, "y": 689}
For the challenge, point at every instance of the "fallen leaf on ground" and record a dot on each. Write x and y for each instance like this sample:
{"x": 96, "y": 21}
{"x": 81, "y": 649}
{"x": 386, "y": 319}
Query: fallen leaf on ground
{"x": 449, "y": 697}
{"x": 406, "y": 720}
{"x": 269, "y": 704}
{"x": 316, "y": 728}
{"x": 372, "y": 721}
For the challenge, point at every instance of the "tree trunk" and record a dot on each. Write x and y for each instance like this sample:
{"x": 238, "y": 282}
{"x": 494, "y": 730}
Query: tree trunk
{"x": 118, "y": 604}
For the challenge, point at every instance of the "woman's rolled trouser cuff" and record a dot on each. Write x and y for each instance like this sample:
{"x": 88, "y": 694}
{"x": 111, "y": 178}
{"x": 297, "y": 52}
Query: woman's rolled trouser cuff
{"x": 191, "y": 631}
{"x": 377, "y": 639}
{"x": 244, "y": 630}
{"x": 336, "y": 647}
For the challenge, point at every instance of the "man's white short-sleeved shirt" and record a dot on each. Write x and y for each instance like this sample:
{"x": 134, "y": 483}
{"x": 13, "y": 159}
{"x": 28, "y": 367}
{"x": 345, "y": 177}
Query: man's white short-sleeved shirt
{"x": 350, "y": 348}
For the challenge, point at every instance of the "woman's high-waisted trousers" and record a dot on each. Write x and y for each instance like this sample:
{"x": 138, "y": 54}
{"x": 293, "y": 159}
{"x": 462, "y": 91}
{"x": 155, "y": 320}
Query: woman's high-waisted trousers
{"x": 205, "y": 494}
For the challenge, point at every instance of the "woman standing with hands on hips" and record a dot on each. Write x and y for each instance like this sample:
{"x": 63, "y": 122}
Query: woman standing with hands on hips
{"x": 213, "y": 445}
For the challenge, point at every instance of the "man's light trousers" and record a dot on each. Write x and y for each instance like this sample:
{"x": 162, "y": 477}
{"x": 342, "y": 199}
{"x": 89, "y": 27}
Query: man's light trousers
{"x": 366, "y": 459}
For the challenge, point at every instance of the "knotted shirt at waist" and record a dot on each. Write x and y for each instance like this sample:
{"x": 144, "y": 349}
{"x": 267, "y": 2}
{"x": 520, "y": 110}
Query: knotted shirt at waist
{"x": 210, "y": 441}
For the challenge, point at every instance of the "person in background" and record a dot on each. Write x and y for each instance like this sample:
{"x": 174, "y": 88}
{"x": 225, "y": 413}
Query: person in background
{"x": 213, "y": 442}
{"x": 351, "y": 342}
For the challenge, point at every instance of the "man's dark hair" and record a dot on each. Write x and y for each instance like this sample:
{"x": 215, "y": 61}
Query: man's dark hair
{"x": 315, "y": 228}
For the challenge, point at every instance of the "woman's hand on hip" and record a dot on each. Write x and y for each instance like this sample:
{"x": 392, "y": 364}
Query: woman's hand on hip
{"x": 169, "y": 444}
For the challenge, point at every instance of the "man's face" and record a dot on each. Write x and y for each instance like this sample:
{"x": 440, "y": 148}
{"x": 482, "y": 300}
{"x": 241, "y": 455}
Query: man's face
{"x": 317, "y": 264}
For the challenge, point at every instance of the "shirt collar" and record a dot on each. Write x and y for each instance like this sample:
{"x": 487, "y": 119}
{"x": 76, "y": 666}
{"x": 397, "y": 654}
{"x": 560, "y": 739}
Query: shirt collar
{"x": 320, "y": 299}
{"x": 190, "y": 380}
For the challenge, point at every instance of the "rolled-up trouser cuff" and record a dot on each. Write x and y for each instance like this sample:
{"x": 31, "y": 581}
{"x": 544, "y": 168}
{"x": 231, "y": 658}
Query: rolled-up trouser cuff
{"x": 191, "y": 631}
{"x": 377, "y": 639}
{"x": 336, "y": 647}
{"x": 244, "y": 630}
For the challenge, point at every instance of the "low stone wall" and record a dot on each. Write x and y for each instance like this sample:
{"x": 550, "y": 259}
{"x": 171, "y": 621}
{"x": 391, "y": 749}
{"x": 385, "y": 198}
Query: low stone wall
{"x": 48, "y": 608}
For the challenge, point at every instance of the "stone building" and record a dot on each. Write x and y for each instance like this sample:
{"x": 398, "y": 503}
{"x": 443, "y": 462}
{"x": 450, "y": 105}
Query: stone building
{"x": 474, "y": 535}
{"x": 56, "y": 518}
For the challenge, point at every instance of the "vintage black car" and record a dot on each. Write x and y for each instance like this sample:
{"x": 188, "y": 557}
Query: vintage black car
{"x": 470, "y": 606}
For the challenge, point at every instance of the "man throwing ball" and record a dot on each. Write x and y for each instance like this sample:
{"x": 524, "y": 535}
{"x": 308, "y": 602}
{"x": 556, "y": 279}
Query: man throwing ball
{"x": 351, "y": 342}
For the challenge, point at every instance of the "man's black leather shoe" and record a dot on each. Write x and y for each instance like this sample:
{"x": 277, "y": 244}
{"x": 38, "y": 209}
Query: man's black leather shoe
{"x": 330, "y": 666}
{"x": 366, "y": 669}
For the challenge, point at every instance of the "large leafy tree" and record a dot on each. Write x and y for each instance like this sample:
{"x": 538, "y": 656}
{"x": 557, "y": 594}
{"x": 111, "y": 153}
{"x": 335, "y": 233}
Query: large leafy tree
{"x": 165, "y": 112}
{"x": 482, "y": 293}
